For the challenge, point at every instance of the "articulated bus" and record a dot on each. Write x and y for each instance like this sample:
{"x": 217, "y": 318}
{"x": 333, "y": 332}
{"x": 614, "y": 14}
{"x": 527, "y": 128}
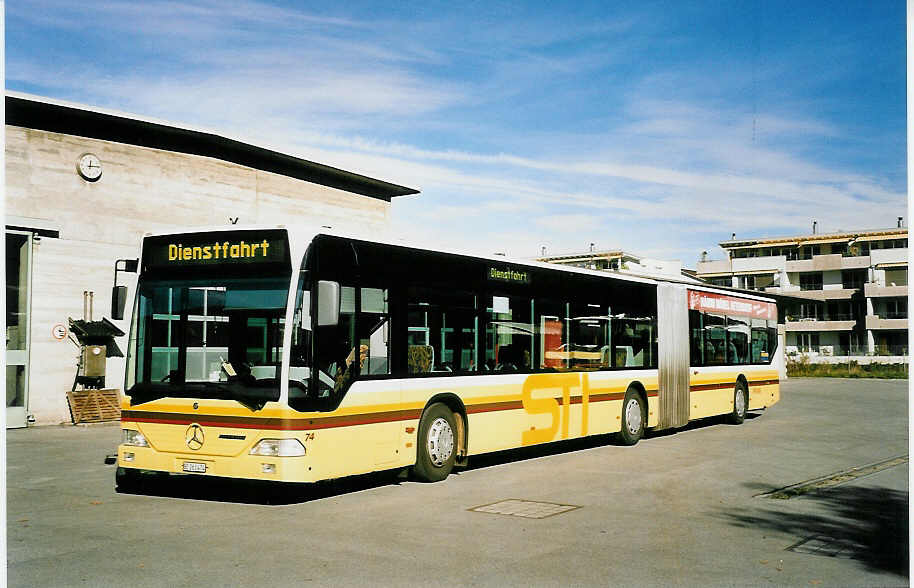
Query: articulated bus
{"x": 271, "y": 354}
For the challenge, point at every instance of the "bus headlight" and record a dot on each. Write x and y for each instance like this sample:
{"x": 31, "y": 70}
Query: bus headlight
{"x": 279, "y": 448}
{"x": 134, "y": 438}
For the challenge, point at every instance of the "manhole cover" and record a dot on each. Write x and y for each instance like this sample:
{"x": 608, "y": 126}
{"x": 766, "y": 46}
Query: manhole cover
{"x": 527, "y": 509}
{"x": 828, "y": 547}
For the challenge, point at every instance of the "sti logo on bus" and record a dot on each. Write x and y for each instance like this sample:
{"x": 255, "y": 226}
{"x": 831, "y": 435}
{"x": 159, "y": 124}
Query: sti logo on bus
{"x": 225, "y": 250}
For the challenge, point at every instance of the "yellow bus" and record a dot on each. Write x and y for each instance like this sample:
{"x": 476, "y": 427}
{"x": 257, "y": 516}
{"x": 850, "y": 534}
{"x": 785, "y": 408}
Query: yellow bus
{"x": 274, "y": 354}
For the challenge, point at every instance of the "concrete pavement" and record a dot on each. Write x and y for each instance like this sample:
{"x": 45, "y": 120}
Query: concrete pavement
{"x": 679, "y": 508}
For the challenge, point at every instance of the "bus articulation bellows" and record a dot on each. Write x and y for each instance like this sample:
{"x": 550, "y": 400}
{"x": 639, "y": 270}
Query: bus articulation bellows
{"x": 271, "y": 354}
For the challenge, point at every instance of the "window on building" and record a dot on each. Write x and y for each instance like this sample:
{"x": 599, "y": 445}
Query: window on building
{"x": 756, "y": 282}
{"x": 839, "y": 310}
{"x": 807, "y": 342}
{"x": 896, "y": 277}
{"x": 809, "y": 311}
{"x": 811, "y": 281}
{"x": 896, "y": 308}
{"x": 853, "y": 279}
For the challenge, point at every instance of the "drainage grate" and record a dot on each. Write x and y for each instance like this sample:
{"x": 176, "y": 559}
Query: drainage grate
{"x": 835, "y": 479}
{"x": 829, "y": 547}
{"x": 527, "y": 509}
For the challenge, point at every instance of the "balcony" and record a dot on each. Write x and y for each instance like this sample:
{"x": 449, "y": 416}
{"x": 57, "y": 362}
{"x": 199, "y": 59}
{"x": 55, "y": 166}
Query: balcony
{"x": 830, "y": 294}
{"x": 882, "y": 256}
{"x": 720, "y": 266}
{"x": 823, "y": 263}
{"x": 880, "y": 291}
{"x": 771, "y": 264}
{"x": 893, "y": 321}
{"x": 819, "y": 325}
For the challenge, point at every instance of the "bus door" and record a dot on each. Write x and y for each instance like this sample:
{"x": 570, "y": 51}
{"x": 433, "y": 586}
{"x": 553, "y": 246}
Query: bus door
{"x": 673, "y": 349}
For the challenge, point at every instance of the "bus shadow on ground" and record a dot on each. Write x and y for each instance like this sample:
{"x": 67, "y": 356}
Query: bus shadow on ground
{"x": 865, "y": 523}
{"x": 558, "y": 447}
{"x": 255, "y": 491}
{"x": 192, "y": 487}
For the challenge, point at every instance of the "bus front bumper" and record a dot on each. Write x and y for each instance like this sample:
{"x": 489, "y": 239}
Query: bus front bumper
{"x": 136, "y": 459}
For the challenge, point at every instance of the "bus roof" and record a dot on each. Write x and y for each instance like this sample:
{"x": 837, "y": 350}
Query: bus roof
{"x": 310, "y": 232}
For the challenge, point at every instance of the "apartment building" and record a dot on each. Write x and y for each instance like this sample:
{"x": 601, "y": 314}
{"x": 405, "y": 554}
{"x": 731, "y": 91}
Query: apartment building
{"x": 620, "y": 261}
{"x": 851, "y": 286}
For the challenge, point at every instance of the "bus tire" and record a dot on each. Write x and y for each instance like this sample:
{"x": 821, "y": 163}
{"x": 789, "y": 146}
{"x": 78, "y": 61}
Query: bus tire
{"x": 740, "y": 403}
{"x": 437, "y": 444}
{"x": 634, "y": 416}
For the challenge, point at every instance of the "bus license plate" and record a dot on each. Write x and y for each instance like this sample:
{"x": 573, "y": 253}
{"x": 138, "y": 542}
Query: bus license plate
{"x": 194, "y": 467}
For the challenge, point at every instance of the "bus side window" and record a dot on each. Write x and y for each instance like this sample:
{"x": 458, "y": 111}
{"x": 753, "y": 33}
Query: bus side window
{"x": 738, "y": 343}
{"x": 509, "y": 333}
{"x": 759, "y": 344}
{"x": 374, "y": 331}
{"x": 696, "y": 338}
{"x": 442, "y": 333}
{"x": 590, "y": 336}
{"x": 336, "y": 345}
{"x": 552, "y": 336}
{"x": 772, "y": 339}
{"x": 715, "y": 339}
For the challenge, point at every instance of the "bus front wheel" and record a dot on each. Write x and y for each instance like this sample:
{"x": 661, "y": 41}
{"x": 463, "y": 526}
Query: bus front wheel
{"x": 633, "y": 418}
{"x": 437, "y": 448}
{"x": 740, "y": 402}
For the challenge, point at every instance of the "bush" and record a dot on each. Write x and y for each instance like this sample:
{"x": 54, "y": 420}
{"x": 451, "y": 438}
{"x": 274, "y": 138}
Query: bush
{"x": 803, "y": 368}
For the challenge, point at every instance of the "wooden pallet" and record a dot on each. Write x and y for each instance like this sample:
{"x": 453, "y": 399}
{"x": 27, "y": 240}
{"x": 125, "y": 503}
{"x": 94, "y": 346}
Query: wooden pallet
{"x": 94, "y": 406}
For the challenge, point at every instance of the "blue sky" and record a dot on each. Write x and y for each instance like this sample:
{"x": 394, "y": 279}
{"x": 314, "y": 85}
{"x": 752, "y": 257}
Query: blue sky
{"x": 656, "y": 127}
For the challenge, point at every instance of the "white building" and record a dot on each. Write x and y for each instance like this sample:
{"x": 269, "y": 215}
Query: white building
{"x": 622, "y": 261}
{"x": 82, "y": 187}
{"x": 855, "y": 282}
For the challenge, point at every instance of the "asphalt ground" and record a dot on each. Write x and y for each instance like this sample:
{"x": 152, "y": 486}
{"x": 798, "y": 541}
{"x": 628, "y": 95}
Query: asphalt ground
{"x": 684, "y": 508}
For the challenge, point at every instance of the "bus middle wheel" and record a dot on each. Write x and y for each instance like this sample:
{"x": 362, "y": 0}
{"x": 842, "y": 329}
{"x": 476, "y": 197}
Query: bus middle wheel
{"x": 634, "y": 415}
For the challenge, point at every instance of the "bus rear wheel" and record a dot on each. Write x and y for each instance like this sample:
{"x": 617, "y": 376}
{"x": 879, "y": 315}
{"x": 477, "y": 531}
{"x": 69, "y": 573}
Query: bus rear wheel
{"x": 633, "y": 418}
{"x": 437, "y": 448}
{"x": 740, "y": 402}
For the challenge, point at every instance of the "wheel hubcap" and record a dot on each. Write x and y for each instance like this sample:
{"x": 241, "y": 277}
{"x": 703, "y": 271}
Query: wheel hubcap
{"x": 440, "y": 442}
{"x": 740, "y": 402}
{"x": 633, "y": 416}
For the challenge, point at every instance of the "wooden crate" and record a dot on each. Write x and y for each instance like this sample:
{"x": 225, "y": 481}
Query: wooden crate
{"x": 94, "y": 406}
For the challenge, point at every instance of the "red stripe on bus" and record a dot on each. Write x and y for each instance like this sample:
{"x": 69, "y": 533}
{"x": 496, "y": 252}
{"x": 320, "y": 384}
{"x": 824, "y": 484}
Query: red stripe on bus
{"x": 726, "y": 385}
{"x": 329, "y": 422}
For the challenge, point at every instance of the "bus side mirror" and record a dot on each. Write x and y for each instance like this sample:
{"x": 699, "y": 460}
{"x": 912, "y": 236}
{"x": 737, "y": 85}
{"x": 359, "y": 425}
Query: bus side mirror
{"x": 119, "y": 293}
{"x": 118, "y": 302}
{"x": 328, "y": 303}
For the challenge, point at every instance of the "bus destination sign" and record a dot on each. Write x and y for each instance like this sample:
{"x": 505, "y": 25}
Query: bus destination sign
{"x": 708, "y": 302}
{"x": 510, "y": 275}
{"x": 215, "y": 249}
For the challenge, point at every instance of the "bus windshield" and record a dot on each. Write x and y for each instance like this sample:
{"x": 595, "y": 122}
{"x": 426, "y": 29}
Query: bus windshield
{"x": 207, "y": 338}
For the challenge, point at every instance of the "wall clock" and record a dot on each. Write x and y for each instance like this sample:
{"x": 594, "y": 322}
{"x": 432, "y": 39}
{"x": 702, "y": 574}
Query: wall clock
{"x": 89, "y": 167}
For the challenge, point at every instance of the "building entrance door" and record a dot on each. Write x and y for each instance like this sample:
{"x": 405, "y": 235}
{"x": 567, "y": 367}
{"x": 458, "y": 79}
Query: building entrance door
{"x": 18, "y": 302}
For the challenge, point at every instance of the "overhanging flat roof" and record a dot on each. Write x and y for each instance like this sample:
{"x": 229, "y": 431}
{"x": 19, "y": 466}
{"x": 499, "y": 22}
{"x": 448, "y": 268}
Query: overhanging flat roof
{"x": 38, "y": 113}
{"x": 862, "y": 235}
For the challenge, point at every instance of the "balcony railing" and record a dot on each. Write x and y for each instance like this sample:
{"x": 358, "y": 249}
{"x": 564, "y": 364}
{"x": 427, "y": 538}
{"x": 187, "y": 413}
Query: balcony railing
{"x": 831, "y": 317}
{"x": 850, "y": 350}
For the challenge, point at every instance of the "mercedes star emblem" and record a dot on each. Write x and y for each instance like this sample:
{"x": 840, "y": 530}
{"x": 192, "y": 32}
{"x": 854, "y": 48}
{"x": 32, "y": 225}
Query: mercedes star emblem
{"x": 194, "y": 436}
